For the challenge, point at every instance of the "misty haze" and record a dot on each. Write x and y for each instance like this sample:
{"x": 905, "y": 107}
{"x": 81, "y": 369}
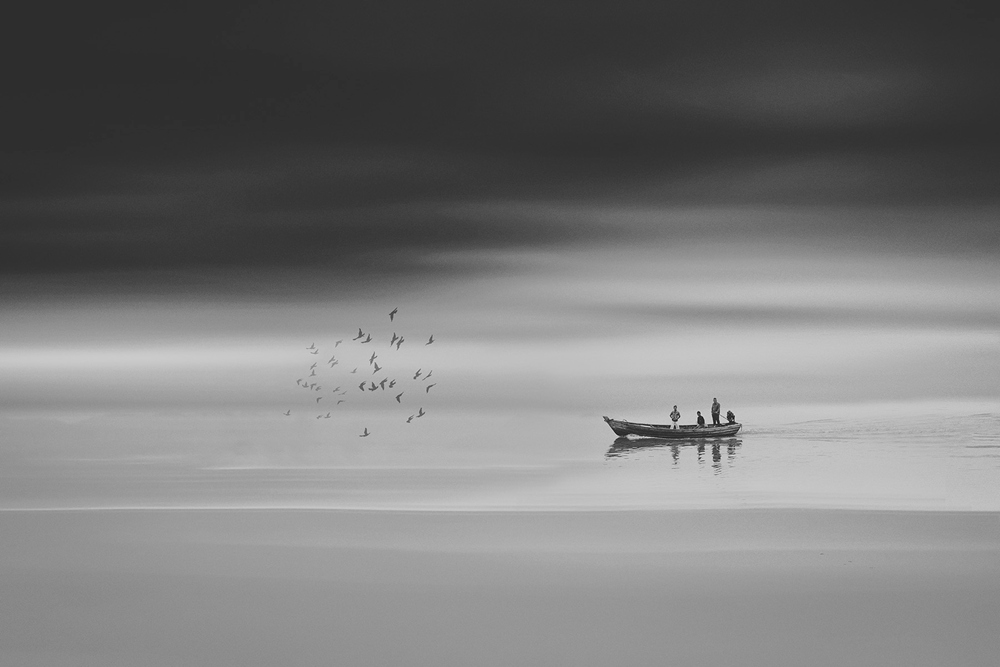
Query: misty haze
{"x": 310, "y": 314}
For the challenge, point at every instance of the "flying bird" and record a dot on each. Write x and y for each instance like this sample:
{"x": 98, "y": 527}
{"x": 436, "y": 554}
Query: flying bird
{"x": 399, "y": 342}
{"x": 327, "y": 416}
{"x": 313, "y": 366}
{"x": 338, "y": 342}
{"x": 340, "y": 401}
{"x": 428, "y": 390}
{"x": 355, "y": 370}
{"x": 392, "y": 383}
{"x": 362, "y": 385}
{"x": 417, "y": 374}
{"x": 299, "y": 381}
{"x": 312, "y": 385}
{"x": 409, "y": 419}
{"x": 312, "y": 347}
{"x": 372, "y": 359}
{"x": 421, "y": 413}
{"x": 336, "y": 389}
{"x": 331, "y": 359}
{"x": 360, "y": 334}
{"x": 373, "y": 387}
{"x": 288, "y": 413}
{"x": 334, "y": 364}
{"x": 430, "y": 340}
{"x": 319, "y": 387}
{"x": 429, "y": 373}
{"x": 393, "y": 313}
{"x": 312, "y": 374}
{"x": 365, "y": 434}
{"x": 367, "y": 340}
{"x": 398, "y": 395}
{"x": 319, "y": 416}
{"x": 394, "y": 339}
{"x": 377, "y": 368}
{"x": 382, "y": 383}
{"x": 314, "y": 352}
{"x": 319, "y": 398}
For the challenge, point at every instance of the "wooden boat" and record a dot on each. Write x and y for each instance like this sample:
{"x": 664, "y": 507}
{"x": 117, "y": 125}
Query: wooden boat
{"x": 622, "y": 427}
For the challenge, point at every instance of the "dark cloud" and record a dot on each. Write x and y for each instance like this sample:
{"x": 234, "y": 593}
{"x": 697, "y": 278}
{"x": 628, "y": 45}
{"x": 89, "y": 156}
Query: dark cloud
{"x": 218, "y": 136}
{"x": 304, "y": 211}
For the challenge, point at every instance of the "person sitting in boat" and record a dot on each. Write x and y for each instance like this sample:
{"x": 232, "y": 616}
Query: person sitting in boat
{"x": 675, "y": 416}
{"x": 730, "y": 417}
{"x": 701, "y": 420}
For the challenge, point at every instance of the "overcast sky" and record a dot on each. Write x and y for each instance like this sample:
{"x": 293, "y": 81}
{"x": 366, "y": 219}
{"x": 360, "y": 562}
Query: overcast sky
{"x": 632, "y": 174}
{"x": 231, "y": 136}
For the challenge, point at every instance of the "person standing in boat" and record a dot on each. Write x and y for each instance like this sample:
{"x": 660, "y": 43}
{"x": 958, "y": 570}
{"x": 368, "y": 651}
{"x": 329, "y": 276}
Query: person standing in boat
{"x": 701, "y": 420}
{"x": 730, "y": 417}
{"x": 716, "y": 409}
{"x": 675, "y": 416}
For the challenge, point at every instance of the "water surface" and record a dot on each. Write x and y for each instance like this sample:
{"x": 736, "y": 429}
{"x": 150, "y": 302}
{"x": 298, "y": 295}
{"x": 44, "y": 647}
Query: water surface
{"x": 901, "y": 456}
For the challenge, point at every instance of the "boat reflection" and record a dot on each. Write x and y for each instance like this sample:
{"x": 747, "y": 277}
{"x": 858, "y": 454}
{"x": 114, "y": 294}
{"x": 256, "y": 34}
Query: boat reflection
{"x": 624, "y": 446}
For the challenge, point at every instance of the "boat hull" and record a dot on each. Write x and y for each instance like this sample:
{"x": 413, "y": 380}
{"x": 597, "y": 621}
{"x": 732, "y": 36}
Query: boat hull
{"x": 622, "y": 427}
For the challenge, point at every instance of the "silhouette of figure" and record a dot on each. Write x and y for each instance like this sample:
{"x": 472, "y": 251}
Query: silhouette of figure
{"x": 716, "y": 408}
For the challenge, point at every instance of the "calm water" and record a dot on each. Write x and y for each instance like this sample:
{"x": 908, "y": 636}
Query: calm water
{"x": 904, "y": 457}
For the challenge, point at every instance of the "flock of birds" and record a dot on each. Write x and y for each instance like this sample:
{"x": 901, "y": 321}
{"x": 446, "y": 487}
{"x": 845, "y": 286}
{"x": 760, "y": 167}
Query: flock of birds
{"x": 369, "y": 385}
